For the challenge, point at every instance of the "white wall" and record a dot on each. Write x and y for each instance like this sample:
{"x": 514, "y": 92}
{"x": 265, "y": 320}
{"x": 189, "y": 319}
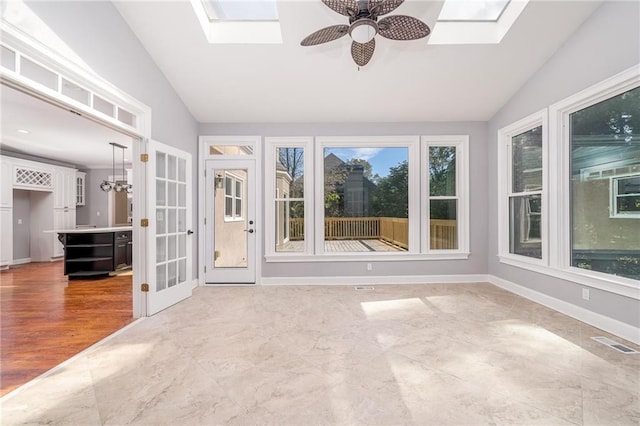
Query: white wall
{"x": 606, "y": 44}
{"x": 477, "y": 262}
{"x": 95, "y": 32}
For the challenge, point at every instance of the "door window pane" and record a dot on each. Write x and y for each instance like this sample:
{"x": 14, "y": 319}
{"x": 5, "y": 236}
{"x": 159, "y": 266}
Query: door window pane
{"x": 605, "y": 169}
{"x": 230, "y": 231}
{"x": 366, "y": 199}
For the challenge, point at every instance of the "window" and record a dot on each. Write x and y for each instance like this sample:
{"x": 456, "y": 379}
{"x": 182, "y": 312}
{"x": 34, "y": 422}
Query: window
{"x": 233, "y": 197}
{"x": 625, "y": 200}
{"x": 522, "y": 194}
{"x": 369, "y": 197}
{"x": 443, "y": 197}
{"x": 604, "y": 181}
{"x": 478, "y": 10}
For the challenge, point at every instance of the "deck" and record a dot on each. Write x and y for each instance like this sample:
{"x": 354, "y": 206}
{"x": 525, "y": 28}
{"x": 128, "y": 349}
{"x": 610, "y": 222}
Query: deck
{"x": 343, "y": 246}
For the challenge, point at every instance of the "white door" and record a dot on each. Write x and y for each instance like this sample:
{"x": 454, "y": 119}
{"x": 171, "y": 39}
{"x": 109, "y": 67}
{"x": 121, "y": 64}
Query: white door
{"x": 230, "y": 225}
{"x": 169, "y": 235}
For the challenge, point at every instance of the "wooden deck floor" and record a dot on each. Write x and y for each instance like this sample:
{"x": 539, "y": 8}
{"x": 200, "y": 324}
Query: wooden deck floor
{"x": 344, "y": 246}
{"x": 46, "y": 319}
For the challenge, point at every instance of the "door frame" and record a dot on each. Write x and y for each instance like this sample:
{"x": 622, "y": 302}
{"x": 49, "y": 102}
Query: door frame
{"x": 26, "y": 45}
{"x": 204, "y": 154}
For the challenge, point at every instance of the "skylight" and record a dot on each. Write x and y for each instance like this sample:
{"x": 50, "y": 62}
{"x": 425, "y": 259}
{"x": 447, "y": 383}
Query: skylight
{"x": 241, "y": 10}
{"x": 238, "y": 21}
{"x": 472, "y": 10}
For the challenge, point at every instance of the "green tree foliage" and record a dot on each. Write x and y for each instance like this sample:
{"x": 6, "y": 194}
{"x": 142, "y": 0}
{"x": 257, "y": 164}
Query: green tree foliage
{"x": 618, "y": 116}
{"x": 391, "y": 197}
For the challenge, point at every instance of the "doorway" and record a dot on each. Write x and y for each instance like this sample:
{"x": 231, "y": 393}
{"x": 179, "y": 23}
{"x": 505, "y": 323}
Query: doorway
{"x": 231, "y": 228}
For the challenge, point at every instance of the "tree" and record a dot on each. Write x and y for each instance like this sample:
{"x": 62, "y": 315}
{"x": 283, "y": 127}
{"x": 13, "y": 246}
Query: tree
{"x": 292, "y": 159}
{"x": 618, "y": 116}
{"x": 391, "y": 197}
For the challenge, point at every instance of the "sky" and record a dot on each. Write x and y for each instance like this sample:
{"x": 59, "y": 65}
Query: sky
{"x": 381, "y": 159}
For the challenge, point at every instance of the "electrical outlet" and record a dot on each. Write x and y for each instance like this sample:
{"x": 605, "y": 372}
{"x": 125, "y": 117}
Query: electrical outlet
{"x": 369, "y": 267}
{"x": 585, "y": 294}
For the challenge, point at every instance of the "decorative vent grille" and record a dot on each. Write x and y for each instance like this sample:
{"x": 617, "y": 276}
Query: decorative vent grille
{"x": 33, "y": 178}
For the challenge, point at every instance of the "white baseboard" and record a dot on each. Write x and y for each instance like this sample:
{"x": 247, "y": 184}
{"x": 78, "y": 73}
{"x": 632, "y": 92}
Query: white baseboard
{"x": 375, "y": 280}
{"x": 615, "y": 327}
{"x": 21, "y": 261}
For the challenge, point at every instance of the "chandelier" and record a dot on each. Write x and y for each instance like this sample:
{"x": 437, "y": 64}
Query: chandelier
{"x": 107, "y": 185}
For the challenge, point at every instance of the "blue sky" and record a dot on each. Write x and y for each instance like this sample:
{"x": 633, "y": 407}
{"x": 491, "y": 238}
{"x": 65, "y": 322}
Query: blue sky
{"x": 381, "y": 159}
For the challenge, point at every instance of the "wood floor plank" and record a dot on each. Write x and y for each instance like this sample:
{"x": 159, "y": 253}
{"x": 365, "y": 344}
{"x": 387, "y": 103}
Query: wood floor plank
{"x": 46, "y": 319}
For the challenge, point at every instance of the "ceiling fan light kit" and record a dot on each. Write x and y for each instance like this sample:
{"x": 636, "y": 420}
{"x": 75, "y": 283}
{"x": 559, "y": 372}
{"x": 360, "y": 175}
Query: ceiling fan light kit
{"x": 364, "y": 26}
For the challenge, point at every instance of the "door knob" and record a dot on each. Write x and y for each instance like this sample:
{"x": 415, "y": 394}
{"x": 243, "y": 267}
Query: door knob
{"x": 189, "y": 232}
{"x": 249, "y": 231}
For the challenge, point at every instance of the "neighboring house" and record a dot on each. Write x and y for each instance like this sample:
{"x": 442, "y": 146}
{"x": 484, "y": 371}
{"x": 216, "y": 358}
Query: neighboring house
{"x": 354, "y": 190}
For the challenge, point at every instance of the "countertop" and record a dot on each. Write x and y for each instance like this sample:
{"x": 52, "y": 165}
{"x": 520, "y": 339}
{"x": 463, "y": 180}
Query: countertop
{"x": 91, "y": 230}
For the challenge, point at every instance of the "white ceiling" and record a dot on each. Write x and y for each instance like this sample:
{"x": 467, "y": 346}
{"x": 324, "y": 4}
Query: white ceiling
{"x": 57, "y": 133}
{"x": 405, "y": 80}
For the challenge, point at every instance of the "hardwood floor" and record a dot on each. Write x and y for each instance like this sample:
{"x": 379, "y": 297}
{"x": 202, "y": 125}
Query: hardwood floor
{"x": 47, "y": 319}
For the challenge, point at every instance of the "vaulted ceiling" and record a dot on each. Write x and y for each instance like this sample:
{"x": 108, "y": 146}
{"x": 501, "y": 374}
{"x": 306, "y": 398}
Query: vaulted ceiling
{"x": 405, "y": 80}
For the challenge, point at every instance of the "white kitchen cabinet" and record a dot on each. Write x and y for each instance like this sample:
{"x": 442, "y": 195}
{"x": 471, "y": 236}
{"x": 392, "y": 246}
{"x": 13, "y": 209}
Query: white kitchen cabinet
{"x": 64, "y": 188}
{"x": 80, "y": 188}
{"x": 6, "y": 242}
{"x": 6, "y": 183}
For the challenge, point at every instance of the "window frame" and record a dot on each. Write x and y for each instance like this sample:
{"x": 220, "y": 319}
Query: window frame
{"x": 557, "y": 262}
{"x": 418, "y": 180}
{"x": 271, "y": 146}
{"x": 505, "y": 189}
{"x": 461, "y": 143}
{"x": 613, "y": 191}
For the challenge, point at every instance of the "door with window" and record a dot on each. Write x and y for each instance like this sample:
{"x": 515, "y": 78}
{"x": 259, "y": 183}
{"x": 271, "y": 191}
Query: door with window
{"x": 230, "y": 223}
{"x": 169, "y": 235}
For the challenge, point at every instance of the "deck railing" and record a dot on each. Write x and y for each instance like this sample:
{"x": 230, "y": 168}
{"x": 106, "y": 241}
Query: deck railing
{"x": 443, "y": 233}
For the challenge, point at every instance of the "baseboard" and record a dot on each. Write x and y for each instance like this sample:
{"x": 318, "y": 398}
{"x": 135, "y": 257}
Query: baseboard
{"x": 375, "y": 280}
{"x": 21, "y": 261}
{"x": 615, "y": 327}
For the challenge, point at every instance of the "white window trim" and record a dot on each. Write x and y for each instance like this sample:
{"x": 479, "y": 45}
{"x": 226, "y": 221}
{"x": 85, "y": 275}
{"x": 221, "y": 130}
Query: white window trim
{"x": 461, "y": 143}
{"x": 505, "y": 139}
{"x": 411, "y": 143}
{"x": 417, "y": 155}
{"x": 613, "y": 192}
{"x": 271, "y": 144}
{"x": 558, "y": 213}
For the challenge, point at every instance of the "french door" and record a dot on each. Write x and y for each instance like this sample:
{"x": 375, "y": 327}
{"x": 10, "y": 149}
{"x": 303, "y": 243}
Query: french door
{"x": 169, "y": 235}
{"x": 230, "y": 225}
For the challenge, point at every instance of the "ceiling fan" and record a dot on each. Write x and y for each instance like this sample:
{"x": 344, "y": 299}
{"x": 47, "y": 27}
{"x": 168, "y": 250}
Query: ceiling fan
{"x": 364, "y": 25}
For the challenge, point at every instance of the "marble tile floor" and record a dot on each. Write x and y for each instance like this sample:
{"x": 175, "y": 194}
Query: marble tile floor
{"x": 437, "y": 354}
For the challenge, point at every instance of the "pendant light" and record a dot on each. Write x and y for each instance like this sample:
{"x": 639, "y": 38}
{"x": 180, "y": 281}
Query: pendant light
{"x": 107, "y": 185}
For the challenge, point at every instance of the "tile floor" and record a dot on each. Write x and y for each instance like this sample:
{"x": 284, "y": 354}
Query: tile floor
{"x": 460, "y": 354}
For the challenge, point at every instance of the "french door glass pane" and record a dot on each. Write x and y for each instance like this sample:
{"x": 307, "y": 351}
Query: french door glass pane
{"x": 161, "y": 249}
{"x": 161, "y": 223}
{"x": 161, "y": 193}
{"x": 161, "y": 277}
{"x": 160, "y": 165}
{"x": 605, "y": 218}
{"x": 171, "y": 167}
{"x": 172, "y": 195}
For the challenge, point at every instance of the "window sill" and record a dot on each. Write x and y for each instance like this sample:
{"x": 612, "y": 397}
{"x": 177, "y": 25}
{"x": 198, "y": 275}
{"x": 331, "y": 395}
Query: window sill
{"x": 618, "y": 285}
{"x": 360, "y": 257}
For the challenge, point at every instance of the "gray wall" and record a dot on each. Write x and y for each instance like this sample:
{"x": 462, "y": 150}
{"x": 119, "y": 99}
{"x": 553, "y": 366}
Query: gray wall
{"x": 97, "y": 33}
{"x": 606, "y": 44}
{"x": 21, "y": 232}
{"x": 477, "y": 262}
{"x": 96, "y": 200}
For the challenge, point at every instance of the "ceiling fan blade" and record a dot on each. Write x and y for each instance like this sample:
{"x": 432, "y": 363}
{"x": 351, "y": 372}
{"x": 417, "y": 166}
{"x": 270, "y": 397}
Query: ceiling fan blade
{"x": 401, "y": 27}
{"x": 382, "y": 7}
{"x": 325, "y": 35}
{"x": 362, "y": 52}
{"x": 343, "y": 7}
